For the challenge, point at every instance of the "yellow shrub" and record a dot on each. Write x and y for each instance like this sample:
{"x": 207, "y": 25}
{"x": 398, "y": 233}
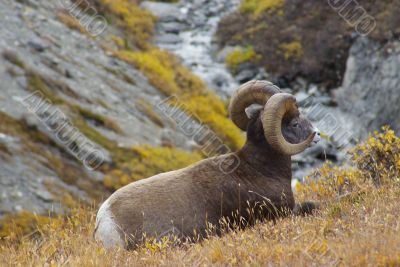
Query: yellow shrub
{"x": 292, "y": 50}
{"x": 240, "y": 56}
{"x": 375, "y": 161}
{"x": 170, "y": 77}
{"x": 258, "y": 7}
{"x": 157, "y": 65}
{"x": 14, "y": 226}
{"x": 379, "y": 156}
{"x": 330, "y": 181}
{"x": 121, "y": 43}
{"x": 190, "y": 83}
{"x": 136, "y": 22}
{"x": 164, "y": 72}
{"x": 205, "y": 107}
{"x": 148, "y": 162}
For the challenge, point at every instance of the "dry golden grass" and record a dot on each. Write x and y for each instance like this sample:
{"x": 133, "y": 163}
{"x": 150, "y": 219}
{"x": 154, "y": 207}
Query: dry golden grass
{"x": 357, "y": 225}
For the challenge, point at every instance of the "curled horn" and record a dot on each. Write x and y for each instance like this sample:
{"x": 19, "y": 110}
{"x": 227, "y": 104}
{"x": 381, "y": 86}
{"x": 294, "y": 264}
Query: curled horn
{"x": 252, "y": 92}
{"x": 278, "y": 106}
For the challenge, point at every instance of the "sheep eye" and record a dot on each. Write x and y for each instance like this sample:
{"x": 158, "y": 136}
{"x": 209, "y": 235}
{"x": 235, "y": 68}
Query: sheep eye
{"x": 296, "y": 125}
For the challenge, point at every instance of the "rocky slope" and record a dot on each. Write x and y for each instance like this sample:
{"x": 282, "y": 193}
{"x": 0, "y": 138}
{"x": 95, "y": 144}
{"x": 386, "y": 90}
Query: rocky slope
{"x": 370, "y": 92}
{"x": 294, "y": 38}
{"x": 77, "y": 69}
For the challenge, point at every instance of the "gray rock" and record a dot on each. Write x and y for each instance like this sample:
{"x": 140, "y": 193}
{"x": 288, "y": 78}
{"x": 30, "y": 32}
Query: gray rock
{"x": 164, "y": 11}
{"x": 301, "y": 96}
{"x": 168, "y": 39}
{"x": 246, "y": 72}
{"x": 16, "y": 194}
{"x": 370, "y": 92}
{"x": 299, "y": 84}
{"x": 245, "y": 75}
{"x": 172, "y": 27}
{"x": 44, "y": 195}
{"x": 68, "y": 74}
{"x": 313, "y": 90}
{"x": 77, "y": 69}
{"x": 325, "y": 100}
{"x": 199, "y": 20}
{"x": 38, "y": 45}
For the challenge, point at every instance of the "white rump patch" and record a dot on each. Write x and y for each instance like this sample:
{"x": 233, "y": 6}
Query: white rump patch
{"x": 106, "y": 228}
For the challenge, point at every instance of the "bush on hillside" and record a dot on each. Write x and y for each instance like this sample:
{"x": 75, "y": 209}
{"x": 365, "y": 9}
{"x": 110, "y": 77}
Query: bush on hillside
{"x": 168, "y": 75}
{"x": 323, "y": 35}
{"x": 372, "y": 163}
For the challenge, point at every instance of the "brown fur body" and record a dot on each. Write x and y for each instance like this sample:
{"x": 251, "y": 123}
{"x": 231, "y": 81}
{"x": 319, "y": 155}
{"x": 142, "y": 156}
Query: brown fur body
{"x": 183, "y": 201}
{"x": 186, "y": 202}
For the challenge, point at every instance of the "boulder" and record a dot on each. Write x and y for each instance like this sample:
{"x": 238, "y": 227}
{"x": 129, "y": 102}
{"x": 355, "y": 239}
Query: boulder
{"x": 168, "y": 38}
{"x": 164, "y": 11}
{"x": 370, "y": 93}
{"x": 172, "y": 27}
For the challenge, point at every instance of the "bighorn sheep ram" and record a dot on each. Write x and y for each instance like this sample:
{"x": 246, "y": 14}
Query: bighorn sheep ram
{"x": 188, "y": 200}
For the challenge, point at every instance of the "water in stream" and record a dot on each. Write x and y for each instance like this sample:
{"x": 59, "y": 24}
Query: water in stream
{"x": 187, "y": 29}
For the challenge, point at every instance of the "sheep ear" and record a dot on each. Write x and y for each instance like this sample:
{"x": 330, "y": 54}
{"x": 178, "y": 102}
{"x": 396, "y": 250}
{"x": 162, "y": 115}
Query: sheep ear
{"x": 253, "y": 110}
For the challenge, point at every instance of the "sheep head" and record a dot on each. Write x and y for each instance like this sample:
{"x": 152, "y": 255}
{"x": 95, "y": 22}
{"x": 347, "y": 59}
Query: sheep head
{"x": 261, "y": 109}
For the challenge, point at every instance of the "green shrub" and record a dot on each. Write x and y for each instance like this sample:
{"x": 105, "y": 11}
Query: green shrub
{"x": 13, "y": 58}
{"x": 148, "y": 109}
{"x": 292, "y": 50}
{"x": 240, "y": 56}
{"x": 272, "y": 26}
{"x": 97, "y": 118}
{"x": 258, "y": 7}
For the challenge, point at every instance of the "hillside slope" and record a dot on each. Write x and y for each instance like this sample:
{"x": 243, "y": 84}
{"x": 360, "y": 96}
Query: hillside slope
{"x": 293, "y": 38}
{"x": 106, "y": 86}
